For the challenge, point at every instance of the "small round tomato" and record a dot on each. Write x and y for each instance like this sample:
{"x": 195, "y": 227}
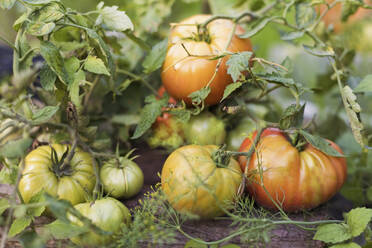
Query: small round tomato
{"x": 121, "y": 178}
{"x": 294, "y": 179}
{"x": 108, "y": 214}
{"x": 194, "y": 183}
{"x": 183, "y": 74}
{"x": 236, "y": 136}
{"x": 205, "y": 129}
{"x": 42, "y": 171}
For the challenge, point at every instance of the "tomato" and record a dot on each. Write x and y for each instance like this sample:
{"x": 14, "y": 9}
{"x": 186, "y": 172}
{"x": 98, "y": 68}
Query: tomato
{"x": 183, "y": 74}
{"x": 108, "y": 214}
{"x": 333, "y": 16}
{"x": 295, "y": 179}
{"x": 121, "y": 179}
{"x": 72, "y": 183}
{"x": 236, "y": 136}
{"x": 205, "y": 129}
{"x": 194, "y": 183}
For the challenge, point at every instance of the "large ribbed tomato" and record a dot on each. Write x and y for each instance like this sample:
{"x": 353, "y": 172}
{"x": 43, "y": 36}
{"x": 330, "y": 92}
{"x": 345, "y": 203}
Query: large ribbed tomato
{"x": 183, "y": 74}
{"x": 295, "y": 179}
{"x": 193, "y": 182}
{"x": 74, "y": 182}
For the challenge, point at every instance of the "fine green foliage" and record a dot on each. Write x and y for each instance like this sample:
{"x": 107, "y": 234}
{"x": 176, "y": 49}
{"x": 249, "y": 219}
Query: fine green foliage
{"x": 365, "y": 85}
{"x": 237, "y": 64}
{"x": 321, "y": 144}
{"x": 155, "y": 58}
{"x": 15, "y": 148}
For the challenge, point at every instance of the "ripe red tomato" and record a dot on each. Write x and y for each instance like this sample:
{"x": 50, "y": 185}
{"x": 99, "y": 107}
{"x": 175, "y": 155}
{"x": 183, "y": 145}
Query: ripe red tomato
{"x": 183, "y": 74}
{"x": 295, "y": 179}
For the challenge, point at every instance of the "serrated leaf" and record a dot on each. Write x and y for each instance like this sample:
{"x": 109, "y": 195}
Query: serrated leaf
{"x": 43, "y": 115}
{"x": 47, "y": 78}
{"x": 237, "y": 64}
{"x": 258, "y": 27}
{"x": 197, "y": 97}
{"x": 15, "y": 148}
{"x": 49, "y": 13}
{"x": 19, "y": 225}
{"x": 292, "y": 35}
{"x": 346, "y": 245}
{"x": 358, "y": 219}
{"x": 7, "y": 4}
{"x": 292, "y": 117}
{"x": 321, "y": 144}
{"x": 305, "y": 15}
{"x": 114, "y": 19}
{"x": 4, "y": 205}
{"x": 320, "y": 52}
{"x": 95, "y": 65}
{"x": 55, "y": 61}
{"x": 62, "y": 230}
{"x": 230, "y": 89}
{"x": 155, "y": 58}
{"x": 72, "y": 65}
{"x": 149, "y": 113}
{"x": 333, "y": 233}
{"x": 74, "y": 89}
{"x": 182, "y": 115}
{"x": 40, "y": 28}
{"x": 365, "y": 85}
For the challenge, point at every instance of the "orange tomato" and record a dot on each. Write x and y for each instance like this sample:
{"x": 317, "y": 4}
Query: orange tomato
{"x": 183, "y": 74}
{"x": 296, "y": 180}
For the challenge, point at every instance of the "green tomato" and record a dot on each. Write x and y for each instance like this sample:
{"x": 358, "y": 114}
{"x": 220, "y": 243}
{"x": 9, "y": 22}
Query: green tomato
{"x": 121, "y": 179}
{"x": 107, "y": 214}
{"x": 236, "y": 136}
{"x": 205, "y": 129}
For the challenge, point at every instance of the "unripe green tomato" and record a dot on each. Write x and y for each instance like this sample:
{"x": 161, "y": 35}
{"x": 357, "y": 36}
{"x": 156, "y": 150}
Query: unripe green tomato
{"x": 205, "y": 129}
{"x": 121, "y": 179}
{"x": 107, "y": 214}
{"x": 236, "y": 136}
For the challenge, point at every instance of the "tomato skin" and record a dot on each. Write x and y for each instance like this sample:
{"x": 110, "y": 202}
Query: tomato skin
{"x": 183, "y": 74}
{"x": 38, "y": 174}
{"x": 299, "y": 180}
{"x": 122, "y": 181}
{"x": 108, "y": 214}
{"x": 181, "y": 175}
{"x": 205, "y": 129}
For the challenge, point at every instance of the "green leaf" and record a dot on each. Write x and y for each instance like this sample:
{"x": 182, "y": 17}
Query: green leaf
{"x": 230, "y": 246}
{"x": 31, "y": 239}
{"x": 49, "y": 13}
{"x": 358, "y": 219}
{"x": 47, "y": 78}
{"x": 195, "y": 244}
{"x": 72, "y": 65}
{"x": 365, "y": 85}
{"x": 154, "y": 60}
{"x": 141, "y": 43}
{"x": 346, "y": 245}
{"x": 349, "y": 8}
{"x": 4, "y": 205}
{"x": 8, "y": 174}
{"x": 126, "y": 119}
{"x": 55, "y": 61}
{"x": 333, "y": 233}
{"x": 74, "y": 88}
{"x": 197, "y": 97}
{"x": 149, "y": 114}
{"x": 19, "y": 225}
{"x": 96, "y": 65}
{"x": 43, "y": 115}
{"x": 62, "y": 230}
{"x": 37, "y": 198}
{"x": 292, "y": 35}
{"x": 7, "y": 4}
{"x": 15, "y": 148}
{"x": 305, "y": 15}
{"x": 17, "y": 24}
{"x": 321, "y": 144}
{"x": 258, "y": 27}
{"x": 182, "y": 115}
{"x": 39, "y": 2}
{"x": 237, "y": 64}
{"x": 114, "y": 19}
{"x": 319, "y": 51}
{"x": 59, "y": 208}
{"x": 230, "y": 89}
{"x": 292, "y": 117}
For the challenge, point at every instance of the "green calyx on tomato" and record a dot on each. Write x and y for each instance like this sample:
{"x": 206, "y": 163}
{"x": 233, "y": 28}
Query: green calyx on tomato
{"x": 121, "y": 177}
{"x": 193, "y": 183}
{"x": 292, "y": 179}
{"x": 42, "y": 171}
{"x": 107, "y": 213}
{"x": 205, "y": 129}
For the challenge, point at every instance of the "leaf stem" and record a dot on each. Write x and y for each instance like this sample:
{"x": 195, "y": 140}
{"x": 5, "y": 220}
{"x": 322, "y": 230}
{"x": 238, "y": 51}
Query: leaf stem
{"x": 138, "y": 78}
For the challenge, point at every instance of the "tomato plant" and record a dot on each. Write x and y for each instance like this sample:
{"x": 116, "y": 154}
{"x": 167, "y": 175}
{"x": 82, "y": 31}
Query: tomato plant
{"x": 236, "y": 136}
{"x": 195, "y": 182}
{"x": 46, "y": 168}
{"x": 121, "y": 178}
{"x": 205, "y": 129}
{"x": 294, "y": 180}
{"x": 183, "y": 74}
{"x": 107, "y": 213}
